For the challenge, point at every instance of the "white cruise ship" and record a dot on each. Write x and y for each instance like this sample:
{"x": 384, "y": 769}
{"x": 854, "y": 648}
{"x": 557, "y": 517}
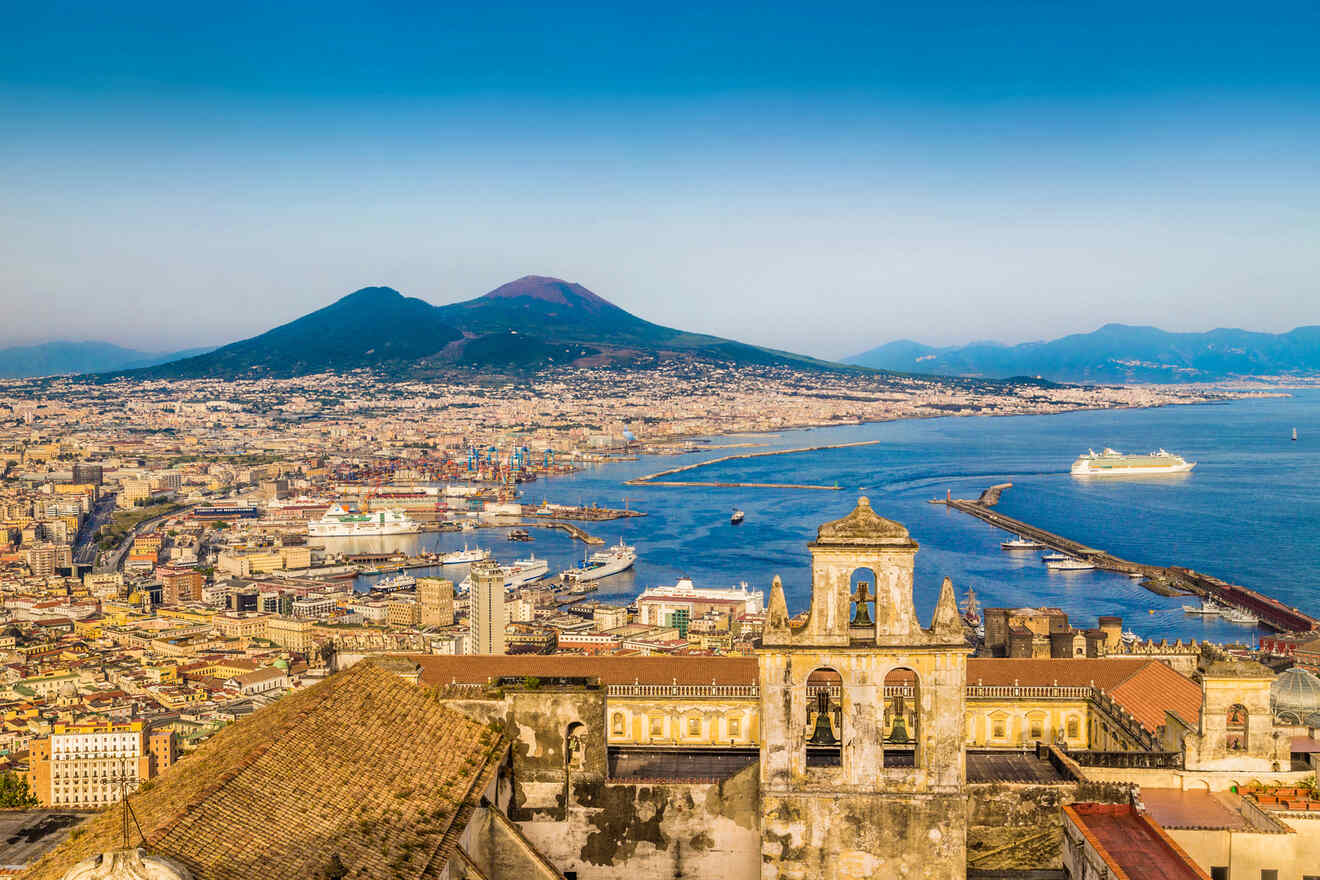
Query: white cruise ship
{"x": 1111, "y": 463}
{"x": 516, "y": 574}
{"x": 657, "y": 604}
{"x": 339, "y": 522}
{"x": 459, "y": 557}
{"x": 602, "y": 564}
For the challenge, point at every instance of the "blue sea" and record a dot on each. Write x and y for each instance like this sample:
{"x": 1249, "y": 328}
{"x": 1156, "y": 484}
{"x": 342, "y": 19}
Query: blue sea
{"x": 1249, "y": 512}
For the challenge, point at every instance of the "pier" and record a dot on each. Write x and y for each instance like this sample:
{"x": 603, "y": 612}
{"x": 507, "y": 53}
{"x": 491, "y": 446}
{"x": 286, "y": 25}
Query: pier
{"x": 655, "y": 479}
{"x": 1170, "y": 580}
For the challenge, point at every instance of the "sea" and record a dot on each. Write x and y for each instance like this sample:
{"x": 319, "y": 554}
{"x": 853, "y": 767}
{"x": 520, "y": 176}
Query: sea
{"x": 1249, "y": 512}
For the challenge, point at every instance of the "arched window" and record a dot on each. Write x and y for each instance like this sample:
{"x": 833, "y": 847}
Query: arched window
{"x": 616, "y": 724}
{"x": 1235, "y": 725}
{"x": 1072, "y": 727}
{"x": 901, "y": 719}
{"x": 575, "y": 746}
{"x": 824, "y": 718}
{"x": 861, "y": 609}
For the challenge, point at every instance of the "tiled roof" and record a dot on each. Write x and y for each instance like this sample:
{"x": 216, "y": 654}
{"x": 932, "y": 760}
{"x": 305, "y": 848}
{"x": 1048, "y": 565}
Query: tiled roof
{"x": 1146, "y": 688}
{"x": 479, "y": 669}
{"x": 1133, "y": 844}
{"x": 363, "y": 765}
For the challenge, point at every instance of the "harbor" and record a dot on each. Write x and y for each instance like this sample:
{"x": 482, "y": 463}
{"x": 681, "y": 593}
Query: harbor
{"x": 1165, "y": 580}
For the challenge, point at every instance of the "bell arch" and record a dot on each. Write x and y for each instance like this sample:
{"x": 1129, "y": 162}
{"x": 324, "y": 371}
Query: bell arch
{"x": 902, "y": 718}
{"x": 824, "y": 731}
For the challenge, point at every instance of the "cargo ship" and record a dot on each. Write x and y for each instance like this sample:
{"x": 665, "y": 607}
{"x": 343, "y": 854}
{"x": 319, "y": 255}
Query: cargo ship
{"x": 339, "y": 522}
{"x": 1111, "y": 463}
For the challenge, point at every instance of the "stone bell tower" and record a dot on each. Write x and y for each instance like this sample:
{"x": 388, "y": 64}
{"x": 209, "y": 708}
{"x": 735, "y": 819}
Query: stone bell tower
{"x": 862, "y": 760}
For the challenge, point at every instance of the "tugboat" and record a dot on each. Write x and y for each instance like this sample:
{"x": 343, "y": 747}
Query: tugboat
{"x": 737, "y": 517}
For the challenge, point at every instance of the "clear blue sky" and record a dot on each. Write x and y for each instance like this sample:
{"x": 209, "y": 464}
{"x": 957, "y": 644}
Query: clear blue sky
{"x": 821, "y": 177}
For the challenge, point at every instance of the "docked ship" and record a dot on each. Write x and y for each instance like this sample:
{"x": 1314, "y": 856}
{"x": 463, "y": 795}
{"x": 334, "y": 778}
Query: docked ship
{"x": 1111, "y": 463}
{"x": 339, "y": 522}
{"x": 518, "y": 573}
{"x": 1020, "y": 543}
{"x": 1069, "y": 564}
{"x": 602, "y": 564}
{"x": 398, "y": 582}
{"x": 460, "y": 557}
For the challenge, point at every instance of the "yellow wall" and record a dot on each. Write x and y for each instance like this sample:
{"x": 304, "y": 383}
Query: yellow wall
{"x": 678, "y": 721}
{"x": 1014, "y": 724}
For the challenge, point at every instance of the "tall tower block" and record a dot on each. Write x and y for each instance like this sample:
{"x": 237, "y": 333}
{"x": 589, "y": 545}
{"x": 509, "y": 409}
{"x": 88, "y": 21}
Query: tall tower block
{"x": 486, "y": 608}
{"x": 863, "y": 766}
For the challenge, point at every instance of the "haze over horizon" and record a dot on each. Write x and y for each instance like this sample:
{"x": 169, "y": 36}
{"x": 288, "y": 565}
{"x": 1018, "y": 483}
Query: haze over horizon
{"x": 820, "y": 182}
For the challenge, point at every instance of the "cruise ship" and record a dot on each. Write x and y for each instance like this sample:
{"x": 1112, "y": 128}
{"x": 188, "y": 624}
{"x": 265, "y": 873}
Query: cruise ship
{"x": 516, "y": 574}
{"x": 602, "y": 564}
{"x": 460, "y": 557}
{"x": 1111, "y": 463}
{"x": 339, "y": 522}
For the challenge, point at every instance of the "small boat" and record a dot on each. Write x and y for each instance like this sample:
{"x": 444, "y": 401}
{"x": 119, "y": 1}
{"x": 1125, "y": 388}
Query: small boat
{"x": 1069, "y": 564}
{"x": 1210, "y": 609}
{"x": 737, "y": 517}
{"x": 1053, "y": 557}
{"x": 1237, "y": 615}
{"x": 1294, "y": 434}
{"x": 1020, "y": 543}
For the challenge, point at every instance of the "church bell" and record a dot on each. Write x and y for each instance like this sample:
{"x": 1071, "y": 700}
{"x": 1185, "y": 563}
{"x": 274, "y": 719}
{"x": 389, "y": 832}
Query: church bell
{"x": 823, "y": 735}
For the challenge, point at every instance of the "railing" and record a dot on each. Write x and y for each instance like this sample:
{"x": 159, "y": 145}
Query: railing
{"x": 1036, "y": 692}
{"x": 684, "y": 690}
{"x": 1129, "y": 760}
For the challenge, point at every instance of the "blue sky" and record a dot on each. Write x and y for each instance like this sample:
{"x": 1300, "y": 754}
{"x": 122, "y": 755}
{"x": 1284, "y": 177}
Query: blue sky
{"x": 821, "y": 177}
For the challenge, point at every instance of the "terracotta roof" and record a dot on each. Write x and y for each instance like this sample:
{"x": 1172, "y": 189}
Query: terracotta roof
{"x": 1133, "y": 844}
{"x": 1146, "y": 688}
{"x": 364, "y": 765}
{"x": 1204, "y": 810}
{"x": 480, "y": 669}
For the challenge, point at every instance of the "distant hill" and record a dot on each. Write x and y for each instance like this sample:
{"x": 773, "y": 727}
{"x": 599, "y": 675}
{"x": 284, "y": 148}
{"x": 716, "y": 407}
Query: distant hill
{"x": 73, "y": 358}
{"x": 529, "y": 323}
{"x": 1114, "y": 353}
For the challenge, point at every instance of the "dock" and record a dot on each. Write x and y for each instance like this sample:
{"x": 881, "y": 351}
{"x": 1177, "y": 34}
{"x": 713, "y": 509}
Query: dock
{"x": 655, "y": 479}
{"x": 1166, "y": 580}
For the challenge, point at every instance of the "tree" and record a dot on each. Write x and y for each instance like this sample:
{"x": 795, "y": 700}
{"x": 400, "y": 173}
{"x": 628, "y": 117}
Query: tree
{"x": 14, "y": 791}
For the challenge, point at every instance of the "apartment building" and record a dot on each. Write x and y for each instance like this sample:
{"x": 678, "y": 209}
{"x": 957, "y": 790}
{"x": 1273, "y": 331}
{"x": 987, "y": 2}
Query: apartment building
{"x": 89, "y": 765}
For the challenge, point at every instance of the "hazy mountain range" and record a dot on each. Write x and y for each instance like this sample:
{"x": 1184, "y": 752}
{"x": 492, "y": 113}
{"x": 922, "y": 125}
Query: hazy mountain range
{"x": 72, "y": 358}
{"x": 1114, "y": 353}
{"x": 526, "y": 324}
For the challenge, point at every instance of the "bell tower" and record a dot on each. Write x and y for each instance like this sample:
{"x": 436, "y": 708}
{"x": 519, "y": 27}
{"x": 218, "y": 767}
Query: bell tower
{"x": 862, "y": 760}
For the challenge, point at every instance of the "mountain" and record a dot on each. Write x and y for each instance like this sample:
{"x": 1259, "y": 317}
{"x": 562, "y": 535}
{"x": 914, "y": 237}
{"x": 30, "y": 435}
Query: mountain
{"x": 69, "y": 358}
{"x": 525, "y": 324}
{"x": 1114, "y": 353}
{"x": 369, "y": 327}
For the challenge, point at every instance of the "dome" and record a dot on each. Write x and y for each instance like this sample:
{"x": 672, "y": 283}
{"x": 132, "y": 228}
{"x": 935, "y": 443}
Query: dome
{"x": 127, "y": 864}
{"x": 1296, "y": 690}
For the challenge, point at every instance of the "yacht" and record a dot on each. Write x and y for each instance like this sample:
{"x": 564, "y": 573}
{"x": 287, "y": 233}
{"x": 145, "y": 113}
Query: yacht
{"x": 1111, "y": 463}
{"x": 1020, "y": 543}
{"x": 460, "y": 557}
{"x": 1047, "y": 558}
{"x": 602, "y": 564}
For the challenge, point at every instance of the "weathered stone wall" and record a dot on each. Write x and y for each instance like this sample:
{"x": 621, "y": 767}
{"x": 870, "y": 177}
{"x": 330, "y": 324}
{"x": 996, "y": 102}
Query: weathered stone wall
{"x": 850, "y": 837}
{"x": 1019, "y": 827}
{"x": 639, "y": 831}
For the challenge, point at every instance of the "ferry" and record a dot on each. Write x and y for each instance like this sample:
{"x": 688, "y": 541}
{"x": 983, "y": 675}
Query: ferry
{"x": 339, "y": 522}
{"x": 398, "y": 582}
{"x": 464, "y": 556}
{"x": 602, "y": 564}
{"x": 1069, "y": 564}
{"x": 518, "y": 573}
{"x": 1110, "y": 463}
{"x": 1020, "y": 543}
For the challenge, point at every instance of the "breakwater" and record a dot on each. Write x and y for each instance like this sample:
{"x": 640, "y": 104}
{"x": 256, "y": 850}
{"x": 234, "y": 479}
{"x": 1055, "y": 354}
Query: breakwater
{"x": 656, "y": 479}
{"x": 1161, "y": 579}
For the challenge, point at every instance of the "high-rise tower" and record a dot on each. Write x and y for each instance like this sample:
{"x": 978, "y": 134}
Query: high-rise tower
{"x": 486, "y": 608}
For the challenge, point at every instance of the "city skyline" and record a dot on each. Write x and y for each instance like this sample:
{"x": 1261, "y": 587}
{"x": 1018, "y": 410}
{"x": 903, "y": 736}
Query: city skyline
{"x": 821, "y": 183}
